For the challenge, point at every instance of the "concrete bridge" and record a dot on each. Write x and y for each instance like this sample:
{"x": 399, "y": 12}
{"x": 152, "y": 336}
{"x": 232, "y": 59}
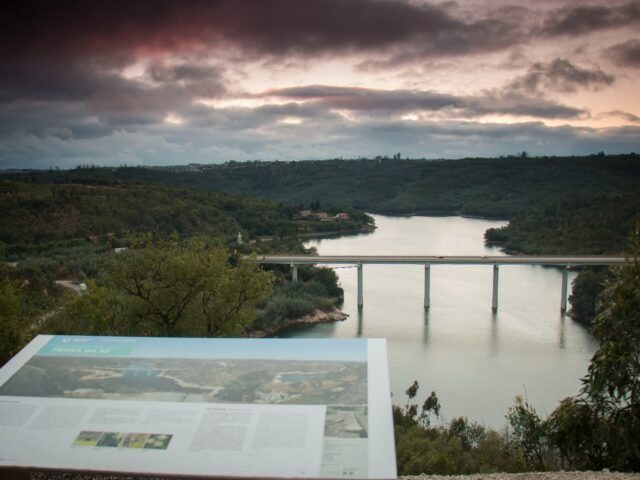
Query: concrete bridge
{"x": 563, "y": 262}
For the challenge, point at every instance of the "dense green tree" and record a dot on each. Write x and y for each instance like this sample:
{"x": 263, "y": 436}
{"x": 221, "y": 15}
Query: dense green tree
{"x": 228, "y": 303}
{"x": 609, "y": 405}
{"x": 530, "y": 433}
{"x": 323, "y": 275}
{"x": 599, "y": 428}
{"x": 93, "y": 313}
{"x": 10, "y": 329}
{"x": 586, "y": 288}
{"x": 293, "y": 300}
{"x": 462, "y": 447}
{"x": 189, "y": 289}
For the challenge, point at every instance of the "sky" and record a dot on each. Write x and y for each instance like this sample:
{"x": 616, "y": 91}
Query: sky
{"x": 175, "y": 82}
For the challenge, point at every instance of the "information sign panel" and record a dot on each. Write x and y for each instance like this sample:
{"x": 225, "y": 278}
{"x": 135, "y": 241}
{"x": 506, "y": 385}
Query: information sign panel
{"x": 286, "y": 408}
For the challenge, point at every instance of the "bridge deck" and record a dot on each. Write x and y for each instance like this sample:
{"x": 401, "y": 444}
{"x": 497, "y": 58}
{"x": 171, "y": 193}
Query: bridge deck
{"x": 443, "y": 260}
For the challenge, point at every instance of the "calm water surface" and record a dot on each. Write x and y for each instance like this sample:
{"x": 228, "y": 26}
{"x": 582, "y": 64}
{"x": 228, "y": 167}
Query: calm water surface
{"x": 476, "y": 361}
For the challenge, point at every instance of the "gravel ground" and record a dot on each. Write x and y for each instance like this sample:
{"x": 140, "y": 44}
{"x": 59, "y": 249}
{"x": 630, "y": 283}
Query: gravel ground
{"x": 533, "y": 476}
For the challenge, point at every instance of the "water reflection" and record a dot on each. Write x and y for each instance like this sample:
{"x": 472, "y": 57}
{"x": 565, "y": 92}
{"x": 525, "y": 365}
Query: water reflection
{"x": 493, "y": 344}
{"x": 425, "y": 329}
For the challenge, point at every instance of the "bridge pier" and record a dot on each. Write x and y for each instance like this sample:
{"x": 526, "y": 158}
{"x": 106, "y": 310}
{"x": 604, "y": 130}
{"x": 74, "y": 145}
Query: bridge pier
{"x": 360, "y": 296}
{"x": 563, "y": 298}
{"x": 359, "y": 260}
{"x": 427, "y": 286}
{"x": 494, "y": 300}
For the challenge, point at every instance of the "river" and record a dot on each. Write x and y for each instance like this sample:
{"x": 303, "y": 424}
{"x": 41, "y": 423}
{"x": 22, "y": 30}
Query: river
{"x": 475, "y": 360}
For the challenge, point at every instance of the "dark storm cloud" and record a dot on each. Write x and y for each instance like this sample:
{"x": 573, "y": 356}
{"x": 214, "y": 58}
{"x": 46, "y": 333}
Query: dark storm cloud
{"x": 585, "y": 19}
{"x": 561, "y": 76}
{"x": 123, "y": 29}
{"x": 482, "y": 36}
{"x": 626, "y": 54}
{"x": 35, "y": 118}
{"x": 52, "y": 81}
{"x": 350, "y": 98}
{"x": 404, "y": 101}
{"x": 521, "y": 105}
{"x": 80, "y": 81}
{"x": 97, "y": 96}
{"x": 199, "y": 80}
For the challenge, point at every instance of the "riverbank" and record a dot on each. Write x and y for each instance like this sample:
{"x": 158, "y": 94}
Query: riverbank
{"x": 314, "y": 235}
{"x": 337, "y": 233}
{"x": 427, "y": 213}
{"x": 316, "y": 316}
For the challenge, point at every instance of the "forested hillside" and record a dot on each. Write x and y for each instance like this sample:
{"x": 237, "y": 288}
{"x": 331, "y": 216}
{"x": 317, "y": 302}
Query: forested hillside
{"x": 33, "y": 217}
{"x": 492, "y": 187}
{"x": 577, "y": 225}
